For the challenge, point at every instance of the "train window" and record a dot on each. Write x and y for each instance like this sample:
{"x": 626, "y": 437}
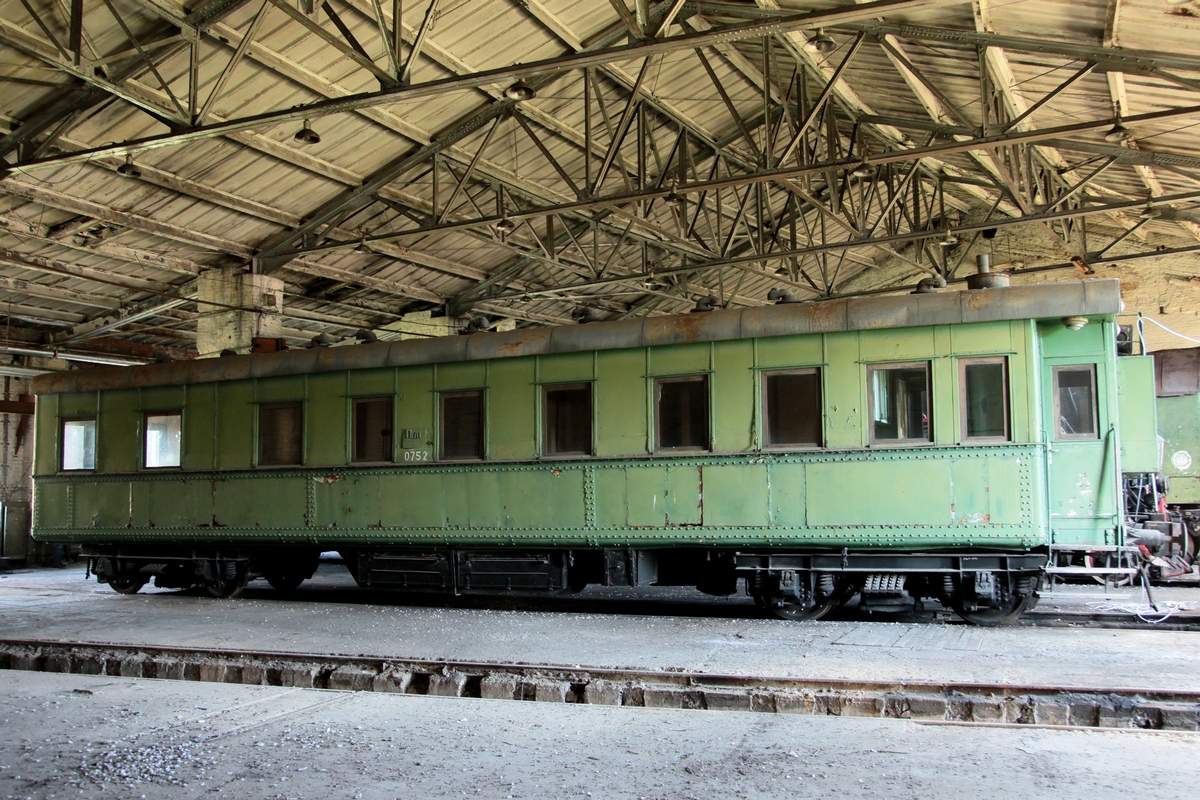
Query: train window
{"x": 79, "y": 443}
{"x": 681, "y": 413}
{"x": 280, "y": 434}
{"x": 899, "y": 400}
{"x": 1075, "y": 401}
{"x": 372, "y": 429}
{"x": 792, "y": 408}
{"x": 164, "y": 436}
{"x": 567, "y": 420}
{"x": 984, "y": 398}
{"x": 462, "y": 425}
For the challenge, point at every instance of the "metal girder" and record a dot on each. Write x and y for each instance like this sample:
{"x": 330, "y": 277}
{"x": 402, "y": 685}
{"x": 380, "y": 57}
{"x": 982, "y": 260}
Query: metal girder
{"x": 534, "y": 69}
{"x": 766, "y": 176}
{"x": 80, "y": 98}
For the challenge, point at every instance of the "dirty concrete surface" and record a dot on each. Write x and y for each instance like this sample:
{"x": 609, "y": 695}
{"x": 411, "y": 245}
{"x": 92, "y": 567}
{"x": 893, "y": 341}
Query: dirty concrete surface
{"x": 99, "y": 736}
{"x": 685, "y": 632}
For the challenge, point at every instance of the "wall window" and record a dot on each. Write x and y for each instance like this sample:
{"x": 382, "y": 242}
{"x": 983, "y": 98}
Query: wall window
{"x": 1075, "y": 401}
{"x": 281, "y": 434}
{"x": 164, "y": 437}
{"x": 792, "y": 408}
{"x": 681, "y": 413}
{"x": 462, "y": 425}
{"x": 372, "y": 429}
{"x": 79, "y": 443}
{"x": 567, "y": 420}
{"x": 899, "y": 400}
{"x": 984, "y": 406}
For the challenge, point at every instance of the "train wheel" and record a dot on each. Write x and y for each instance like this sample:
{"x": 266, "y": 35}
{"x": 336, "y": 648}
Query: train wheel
{"x": 228, "y": 579}
{"x": 1007, "y": 614}
{"x": 128, "y": 584}
{"x": 284, "y": 582}
{"x": 789, "y": 609}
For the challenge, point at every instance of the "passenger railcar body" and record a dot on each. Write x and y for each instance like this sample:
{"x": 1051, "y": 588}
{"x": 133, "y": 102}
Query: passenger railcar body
{"x": 930, "y": 445}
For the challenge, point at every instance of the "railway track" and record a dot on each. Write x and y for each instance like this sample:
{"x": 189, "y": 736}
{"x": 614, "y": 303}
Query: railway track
{"x": 1128, "y": 708}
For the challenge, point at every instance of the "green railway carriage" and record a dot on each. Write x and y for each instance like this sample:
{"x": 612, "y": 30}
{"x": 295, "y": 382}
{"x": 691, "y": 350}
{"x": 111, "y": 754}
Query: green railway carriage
{"x": 930, "y": 445}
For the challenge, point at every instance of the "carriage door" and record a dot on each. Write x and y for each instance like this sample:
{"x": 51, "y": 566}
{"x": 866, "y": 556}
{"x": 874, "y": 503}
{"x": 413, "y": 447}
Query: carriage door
{"x": 1082, "y": 469}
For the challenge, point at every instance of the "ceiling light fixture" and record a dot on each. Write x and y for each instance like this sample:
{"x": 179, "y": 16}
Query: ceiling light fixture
{"x": 949, "y": 240}
{"x": 307, "y": 135}
{"x": 1118, "y": 133}
{"x": 821, "y": 43}
{"x": 129, "y": 169}
{"x": 520, "y": 91}
{"x": 674, "y": 199}
{"x": 1149, "y": 212}
{"x": 864, "y": 170}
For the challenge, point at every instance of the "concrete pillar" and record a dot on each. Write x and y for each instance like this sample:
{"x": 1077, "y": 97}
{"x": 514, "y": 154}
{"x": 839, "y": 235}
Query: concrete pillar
{"x": 258, "y": 301}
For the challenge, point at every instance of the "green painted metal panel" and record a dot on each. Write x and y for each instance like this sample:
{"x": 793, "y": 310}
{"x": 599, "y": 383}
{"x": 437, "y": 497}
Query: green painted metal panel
{"x": 551, "y": 498}
{"x": 845, "y": 395}
{"x": 347, "y": 500}
{"x": 281, "y": 390}
{"x": 1136, "y": 410}
{"x": 682, "y": 498}
{"x": 1057, "y": 340}
{"x": 266, "y": 501}
{"x": 679, "y": 359}
{"x": 52, "y": 506}
{"x": 1179, "y": 424}
{"x": 735, "y": 495}
{"x": 370, "y": 382}
{"x": 512, "y": 415}
{"x": 944, "y": 402}
{"x": 118, "y": 432}
{"x": 413, "y": 500}
{"x": 103, "y": 505}
{"x": 199, "y": 427}
{"x": 621, "y": 414}
{"x": 235, "y": 425}
{"x": 780, "y": 352}
{"x": 326, "y": 437}
{"x": 642, "y": 502}
{"x": 1081, "y": 482}
{"x": 83, "y": 404}
{"x": 566, "y": 368}
{"x": 896, "y": 344}
{"x": 415, "y": 409}
{"x": 982, "y": 338}
{"x": 786, "y": 483}
{"x": 733, "y": 396}
{"x": 161, "y": 398}
{"x": 45, "y": 440}
{"x": 644, "y": 495}
{"x": 462, "y": 375}
{"x": 890, "y": 490}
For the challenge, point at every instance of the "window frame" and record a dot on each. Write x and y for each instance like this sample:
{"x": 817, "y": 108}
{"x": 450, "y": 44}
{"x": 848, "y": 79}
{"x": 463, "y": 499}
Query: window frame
{"x": 925, "y": 364}
{"x": 62, "y": 442}
{"x": 964, "y": 407}
{"x": 547, "y": 388}
{"x": 258, "y": 432}
{"x": 483, "y": 425}
{"x": 656, "y": 399}
{"x": 171, "y": 412}
{"x": 1059, "y": 436}
{"x": 767, "y": 444}
{"x": 390, "y": 455}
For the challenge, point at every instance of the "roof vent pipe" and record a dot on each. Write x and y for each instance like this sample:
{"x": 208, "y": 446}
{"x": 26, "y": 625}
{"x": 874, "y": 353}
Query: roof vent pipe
{"x": 985, "y": 278}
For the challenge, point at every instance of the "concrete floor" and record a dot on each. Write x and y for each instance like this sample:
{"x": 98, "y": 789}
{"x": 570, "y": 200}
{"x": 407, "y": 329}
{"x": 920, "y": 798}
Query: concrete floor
{"x": 101, "y": 736}
{"x": 606, "y": 628}
{"x": 92, "y": 736}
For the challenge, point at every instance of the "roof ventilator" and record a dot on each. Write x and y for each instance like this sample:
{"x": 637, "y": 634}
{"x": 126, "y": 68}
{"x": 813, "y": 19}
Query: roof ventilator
{"x": 985, "y": 278}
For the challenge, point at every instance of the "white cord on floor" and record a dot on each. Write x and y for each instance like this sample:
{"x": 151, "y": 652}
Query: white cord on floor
{"x": 1153, "y": 614}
